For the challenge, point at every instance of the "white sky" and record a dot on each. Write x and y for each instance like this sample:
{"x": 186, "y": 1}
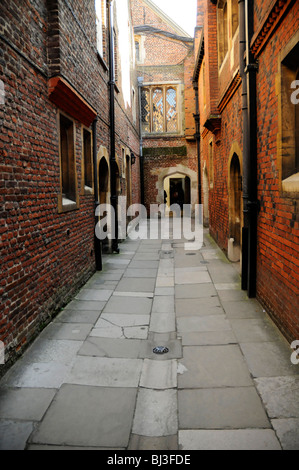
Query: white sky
{"x": 183, "y": 12}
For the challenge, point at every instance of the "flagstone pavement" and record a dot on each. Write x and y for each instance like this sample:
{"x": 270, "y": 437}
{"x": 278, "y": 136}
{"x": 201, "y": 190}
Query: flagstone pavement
{"x": 91, "y": 380}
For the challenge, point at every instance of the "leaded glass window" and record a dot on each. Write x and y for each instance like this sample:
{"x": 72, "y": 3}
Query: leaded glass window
{"x": 145, "y": 110}
{"x": 159, "y": 110}
{"x": 171, "y": 110}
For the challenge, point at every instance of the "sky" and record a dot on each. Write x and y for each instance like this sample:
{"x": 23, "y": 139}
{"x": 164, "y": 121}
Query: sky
{"x": 183, "y": 12}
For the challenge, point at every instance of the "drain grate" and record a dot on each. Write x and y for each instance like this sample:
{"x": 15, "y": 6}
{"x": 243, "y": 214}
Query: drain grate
{"x": 160, "y": 350}
{"x": 190, "y": 254}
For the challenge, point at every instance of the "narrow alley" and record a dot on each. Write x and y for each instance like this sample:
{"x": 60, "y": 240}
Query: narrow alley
{"x": 92, "y": 379}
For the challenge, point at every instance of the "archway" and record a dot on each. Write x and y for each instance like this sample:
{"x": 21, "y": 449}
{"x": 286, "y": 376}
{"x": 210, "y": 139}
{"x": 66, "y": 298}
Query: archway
{"x": 103, "y": 181}
{"x": 235, "y": 209}
{"x": 177, "y": 190}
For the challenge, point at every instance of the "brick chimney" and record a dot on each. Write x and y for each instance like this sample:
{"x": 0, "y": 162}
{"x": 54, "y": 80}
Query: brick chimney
{"x": 200, "y": 13}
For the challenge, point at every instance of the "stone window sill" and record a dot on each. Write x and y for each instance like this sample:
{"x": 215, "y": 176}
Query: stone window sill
{"x": 291, "y": 184}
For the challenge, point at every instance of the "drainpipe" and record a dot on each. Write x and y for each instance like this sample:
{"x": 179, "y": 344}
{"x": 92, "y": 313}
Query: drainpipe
{"x": 97, "y": 242}
{"x": 113, "y": 182}
{"x": 250, "y": 150}
{"x": 140, "y": 84}
{"x": 197, "y": 137}
{"x": 246, "y": 154}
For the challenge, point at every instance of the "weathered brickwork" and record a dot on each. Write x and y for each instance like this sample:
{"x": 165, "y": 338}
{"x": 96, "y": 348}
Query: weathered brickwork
{"x": 46, "y": 254}
{"x": 275, "y": 25}
{"x": 166, "y": 57}
{"x": 278, "y": 222}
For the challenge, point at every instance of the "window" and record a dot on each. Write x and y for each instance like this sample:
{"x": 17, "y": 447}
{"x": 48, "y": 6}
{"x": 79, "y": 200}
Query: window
{"x": 159, "y": 110}
{"x": 67, "y": 163}
{"x": 289, "y": 116}
{"x": 87, "y": 160}
{"x": 227, "y": 26}
{"x": 137, "y": 50}
{"x": 134, "y": 109}
{"x": 101, "y": 21}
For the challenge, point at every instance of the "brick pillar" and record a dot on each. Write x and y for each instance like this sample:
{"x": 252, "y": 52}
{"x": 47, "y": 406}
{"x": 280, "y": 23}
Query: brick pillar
{"x": 200, "y": 13}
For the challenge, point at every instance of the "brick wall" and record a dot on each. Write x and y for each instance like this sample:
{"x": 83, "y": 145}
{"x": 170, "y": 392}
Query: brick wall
{"x": 278, "y": 222}
{"x": 277, "y": 258}
{"x": 166, "y": 59}
{"x": 46, "y": 256}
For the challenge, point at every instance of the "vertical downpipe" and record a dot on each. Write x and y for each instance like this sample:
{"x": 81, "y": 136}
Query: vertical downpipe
{"x": 246, "y": 153}
{"x": 197, "y": 136}
{"x": 97, "y": 242}
{"x": 113, "y": 163}
{"x": 252, "y": 203}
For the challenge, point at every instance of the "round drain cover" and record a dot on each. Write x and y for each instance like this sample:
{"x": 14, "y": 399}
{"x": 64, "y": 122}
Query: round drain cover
{"x": 160, "y": 350}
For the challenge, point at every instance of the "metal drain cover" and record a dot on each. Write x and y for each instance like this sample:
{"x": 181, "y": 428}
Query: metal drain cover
{"x": 160, "y": 350}
{"x": 190, "y": 254}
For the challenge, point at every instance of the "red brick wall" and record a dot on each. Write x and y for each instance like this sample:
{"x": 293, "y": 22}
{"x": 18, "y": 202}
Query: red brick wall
{"x": 46, "y": 256}
{"x": 278, "y": 221}
{"x": 278, "y": 234}
{"x": 166, "y": 60}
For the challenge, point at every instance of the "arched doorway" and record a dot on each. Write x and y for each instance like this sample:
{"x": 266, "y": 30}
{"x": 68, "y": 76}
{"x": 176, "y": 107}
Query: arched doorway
{"x": 235, "y": 209}
{"x": 103, "y": 181}
{"x": 177, "y": 190}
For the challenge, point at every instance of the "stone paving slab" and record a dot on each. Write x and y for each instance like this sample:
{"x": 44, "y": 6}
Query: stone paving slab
{"x": 105, "y": 372}
{"x": 162, "y": 322}
{"x": 156, "y": 413}
{"x": 14, "y": 434}
{"x": 139, "y": 264}
{"x": 254, "y": 330}
{"x": 287, "y": 431}
{"x": 213, "y": 366}
{"x": 37, "y": 375}
{"x": 159, "y": 375}
{"x": 136, "y": 285}
{"x": 94, "y": 294}
{"x": 86, "y": 305}
{"x": 128, "y": 305}
{"x": 243, "y": 309}
{"x": 140, "y": 272}
{"x": 269, "y": 359}
{"x": 110, "y": 347}
{"x": 205, "y": 306}
{"x": 26, "y": 404}
{"x": 207, "y": 338}
{"x": 52, "y": 350}
{"x": 195, "y": 291}
{"x": 202, "y": 324}
{"x": 198, "y": 277}
{"x": 77, "y": 316}
{"x": 221, "y": 408}
{"x": 240, "y": 439}
{"x": 76, "y": 419}
{"x": 280, "y": 395}
{"x": 153, "y": 443}
{"x": 68, "y": 331}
